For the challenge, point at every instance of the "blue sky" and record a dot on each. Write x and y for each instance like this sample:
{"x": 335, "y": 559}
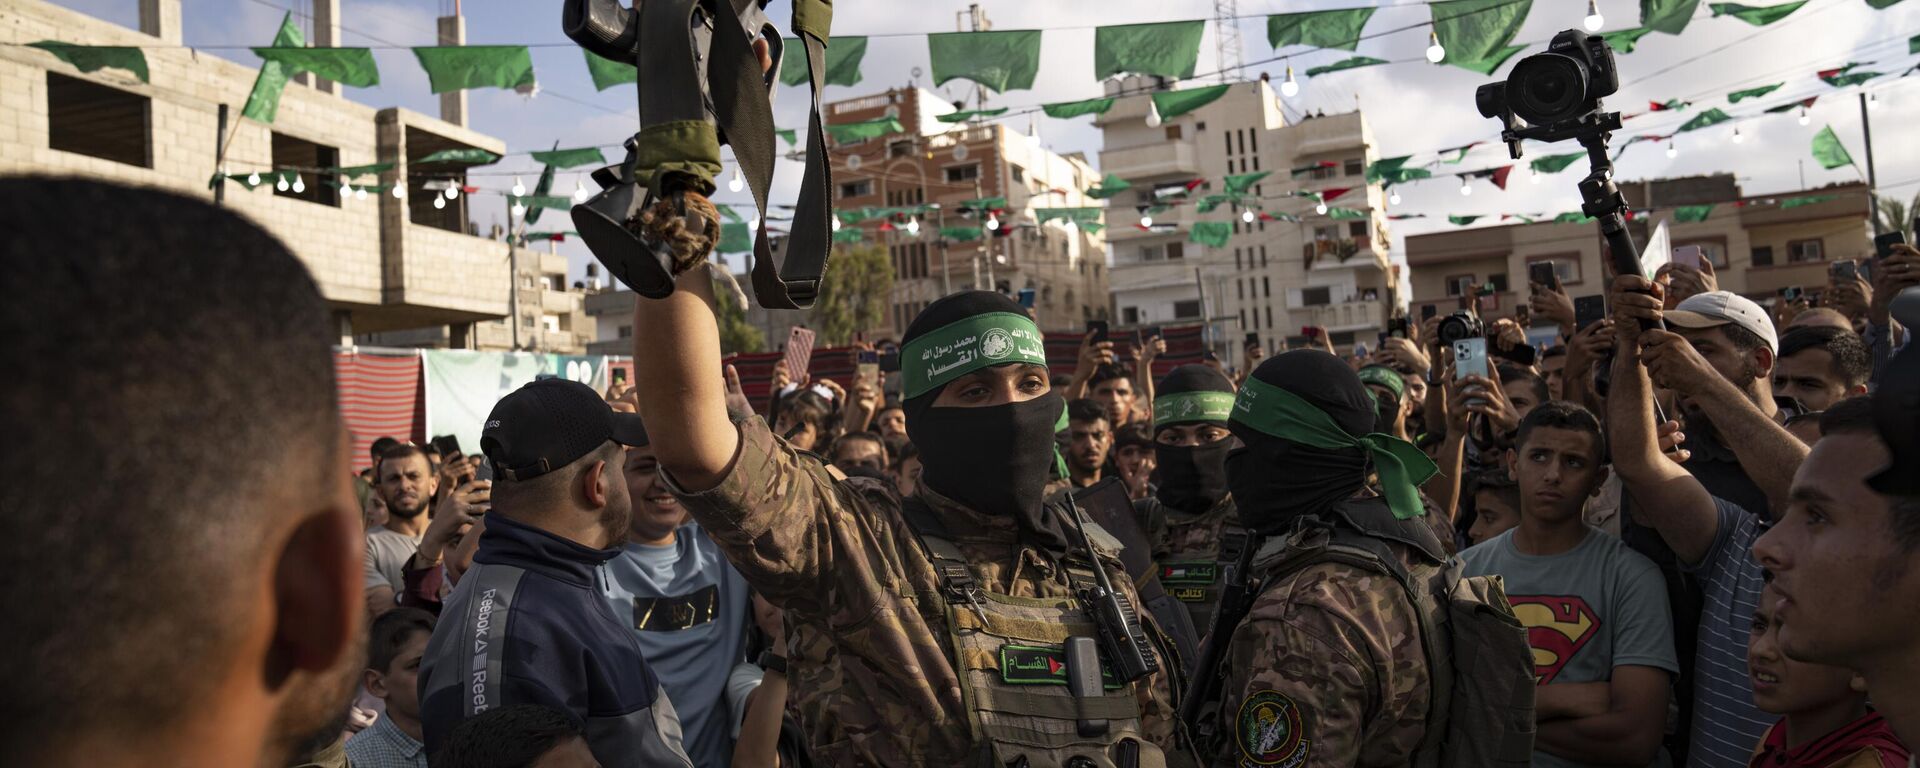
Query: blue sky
{"x": 1412, "y": 107}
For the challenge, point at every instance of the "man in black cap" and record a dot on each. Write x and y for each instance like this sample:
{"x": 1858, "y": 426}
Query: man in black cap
{"x": 954, "y": 627}
{"x": 1191, "y": 515}
{"x": 527, "y": 624}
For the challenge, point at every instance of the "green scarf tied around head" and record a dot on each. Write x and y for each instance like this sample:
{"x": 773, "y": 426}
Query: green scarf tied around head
{"x": 1402, "y": 466}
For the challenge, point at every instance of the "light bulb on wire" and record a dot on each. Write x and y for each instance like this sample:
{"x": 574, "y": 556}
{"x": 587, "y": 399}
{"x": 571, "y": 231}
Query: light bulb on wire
{"x": 1289, "y": 87}
{"x": 734, "y": 182}
{"x": 1247, "y": 215}
{"x": 1737, "y": 138}
{"x": 579, "y": 192}
{"x": 1153, "y": 115}
{"x": 519, "y": 189}
{"x": 399, "y": 191}
{"x": 836, "y": 223}
{"x": 1393, "y": 198}
{"x": 439, "y": 202}
{"x": 1671, "y": 152}
{"x": 1805, "y": 119}
{"x": 1873, "y": 101}
{"x": 299, "y": 184}
{"x": 281, "y": 184}
{"x": 1435, "y": 52}
{"x": 253, "y": 179}
{"x": 993, "y": 223}
{"x": 360, "y": 194}
{"x": 1320, "y": 208}
{"x": 1146, "y": 221}
{"x": 517, "y": 210}
{"x": 453, "y": 191}
{"x": 1466, "y": 188}
{"x": 1594, "y": 20}
{"x": 913, "y": 225}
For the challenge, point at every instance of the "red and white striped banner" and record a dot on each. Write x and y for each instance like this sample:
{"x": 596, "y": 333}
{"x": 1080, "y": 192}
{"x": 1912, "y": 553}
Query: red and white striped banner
{"x": 380, "y": 397}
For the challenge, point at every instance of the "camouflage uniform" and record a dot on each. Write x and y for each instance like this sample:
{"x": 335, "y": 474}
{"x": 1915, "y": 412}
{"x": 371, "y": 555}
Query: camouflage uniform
{"x": 1187, "y": 551}
{"x": 868, "y": 633}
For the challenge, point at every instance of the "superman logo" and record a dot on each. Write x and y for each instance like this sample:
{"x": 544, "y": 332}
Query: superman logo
{"x": 1558, "y": 626}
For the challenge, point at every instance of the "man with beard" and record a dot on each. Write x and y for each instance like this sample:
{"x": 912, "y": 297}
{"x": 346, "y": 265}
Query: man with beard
{"x": 1333, "y": 660}
{"x": 1190, "y": 515}
{"x": 527, "y": 625}
{"x": 939, "y": 629}
{"x": 410, "y": 539}
{"x": 1089, "y": 440}
{"x": 686, "y": 604}
{"x": 207, "y": 613}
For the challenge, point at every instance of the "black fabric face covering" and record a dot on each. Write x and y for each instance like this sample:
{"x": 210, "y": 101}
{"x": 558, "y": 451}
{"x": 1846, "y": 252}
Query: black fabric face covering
{"x": 995, "y": 460}
{"x": 1192, "y": 478}
{"x": 1274, "y": 479}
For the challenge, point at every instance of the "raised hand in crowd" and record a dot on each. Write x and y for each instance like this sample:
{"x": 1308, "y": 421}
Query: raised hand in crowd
{"x": 1404, "y": 354}
{"x": 455, "y": 469}
{"x": 1093, "y": 354}
{"x": 1508, "y": 334}
{"x": 1137, "y": 475}
{"x": 1585, "y": 350}
{"x": 451, "y": 520}
{"x": 759, "y": 741}
{"x": 1482, "y": 395}
{"x": 1144, "y": 355}
{"x": 1683, "y": 281}
{"x": 1851, "y": 296}
{"x": 1551, "y": 304}
{"x": 1784, "y": 311}
{"x": 1897, "y": 272}
{"x": 861, "y": 407}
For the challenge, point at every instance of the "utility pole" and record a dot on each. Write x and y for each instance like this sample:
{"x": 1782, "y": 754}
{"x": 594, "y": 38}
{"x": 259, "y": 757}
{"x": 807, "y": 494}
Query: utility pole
{"x": 220, "y": 163}
{"x": 513, "y": 278}
{"x": 1226, "y": 38}
{"x": 1873, "y": 182}
{"x": 946, "y": 268}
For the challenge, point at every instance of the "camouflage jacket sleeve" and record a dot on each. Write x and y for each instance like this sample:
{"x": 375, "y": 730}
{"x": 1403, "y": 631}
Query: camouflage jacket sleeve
{"x": 1326, "y": 671}
{"x": 808, "y": 542}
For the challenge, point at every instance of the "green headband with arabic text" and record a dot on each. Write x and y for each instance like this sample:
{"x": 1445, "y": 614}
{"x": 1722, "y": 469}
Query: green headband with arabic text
{"x": 1197, "y": 406}
{"x": 967, "y": 345}
{"x": 1277, "y": 412}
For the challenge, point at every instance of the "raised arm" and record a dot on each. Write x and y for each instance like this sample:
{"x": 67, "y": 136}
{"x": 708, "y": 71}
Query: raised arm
{"x": 1666, "y": 495}
{"x": 676, "y": 355}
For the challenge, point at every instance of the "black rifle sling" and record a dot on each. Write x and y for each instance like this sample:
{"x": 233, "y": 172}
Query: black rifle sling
{"x": 745, "y": 117}
{"x": 668, "y": 72}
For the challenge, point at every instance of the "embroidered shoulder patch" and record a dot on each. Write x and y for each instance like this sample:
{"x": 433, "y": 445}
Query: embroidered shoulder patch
{"x": 1269, "y": 731}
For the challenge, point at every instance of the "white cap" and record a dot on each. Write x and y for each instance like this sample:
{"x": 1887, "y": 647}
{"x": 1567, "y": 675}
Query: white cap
{"x": 1717, "y": 308}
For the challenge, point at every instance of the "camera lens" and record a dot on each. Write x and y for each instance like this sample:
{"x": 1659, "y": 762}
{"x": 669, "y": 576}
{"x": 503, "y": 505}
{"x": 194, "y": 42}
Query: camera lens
{"x": 1547, "y": 88}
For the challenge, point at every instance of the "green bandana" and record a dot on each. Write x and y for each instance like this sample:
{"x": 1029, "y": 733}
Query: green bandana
{"x": 1386, "y": 377}
{"x": 965, "y": 346}
{"x": 1192, "y": 406}
{"x": 1283, "y": 414}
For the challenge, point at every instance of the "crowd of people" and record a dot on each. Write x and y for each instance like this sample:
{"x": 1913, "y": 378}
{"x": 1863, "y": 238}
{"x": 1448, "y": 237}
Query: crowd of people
{"x": 1688, "y": 533}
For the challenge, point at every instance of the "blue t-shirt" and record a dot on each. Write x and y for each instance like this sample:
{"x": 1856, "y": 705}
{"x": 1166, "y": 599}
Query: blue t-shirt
{"x": 1726, "y": 724}
{"x": 1587, "y": 610}
{"x": 689, "y": 608}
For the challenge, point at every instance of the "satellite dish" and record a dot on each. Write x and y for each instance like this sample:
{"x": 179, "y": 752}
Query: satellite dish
{"x": 960, "y": 152}
{"x": 893, "y": 110}
{"x": 853, "y": 162}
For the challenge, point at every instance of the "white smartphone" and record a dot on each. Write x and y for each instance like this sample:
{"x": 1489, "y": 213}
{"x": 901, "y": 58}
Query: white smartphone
{"x": 1470, "y": 358}
{"x": 1690, "y": 256}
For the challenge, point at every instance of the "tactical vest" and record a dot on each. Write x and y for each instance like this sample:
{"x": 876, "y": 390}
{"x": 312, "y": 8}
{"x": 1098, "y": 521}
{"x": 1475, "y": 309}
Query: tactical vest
{"x": 1194, "y": 575}
{"x": 1480, "y": 668}
{"x": 1011, "y": 657}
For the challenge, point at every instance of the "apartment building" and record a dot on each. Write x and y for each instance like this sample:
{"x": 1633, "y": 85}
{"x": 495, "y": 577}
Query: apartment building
{"x": 1274, "y": 277}
{"x": 947, "y": 164}
{"x": 1758, "y": 245}
{"x": 383, "y": 263}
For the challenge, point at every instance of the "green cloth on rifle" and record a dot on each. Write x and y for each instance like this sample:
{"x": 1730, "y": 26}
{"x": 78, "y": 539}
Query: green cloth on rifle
{"x": 1574, "y": 217}
{"x": 571, "y": 158}
{"x": 999, "y": 61}
{"x": 1066, "y": 109}
{"x": 1669, "y": 16}
{"x": 1320, "y": 29}
{"x": 1401, "y": 465}
{"x": 851, "y": 133}
{"x": 1172, "y": 104}
{"x": 1348, "y": 63}
{"x": 608, "y": 73}
{"x": 1828, "y": 150}
{"x": 460, "y": 67}
{"x": 467, "y": 155}
{"x": 347, "y": 66}
{"x": 1210, "y": 233}
{"x": 1167, "y": 50}
{"x": 88, "y": 58}
{"x": 843, "y": 61}
{"x": 263, "y": 102}
{"x": 1758, "y": 16}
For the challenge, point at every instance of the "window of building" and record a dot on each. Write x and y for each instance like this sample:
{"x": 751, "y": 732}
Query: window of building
{"x": 1186, "y": 309}
{"x": 1173, "y": 132}
{"x": 1763, "y": 255}
{"x": 1566, "y": 266}
{"x": 1316, "y": 296}
{"x": 1459, "y": 285}
{"x": 1129, "y": 315}
{"x": 1228, "y": 136}
{"x": 1499, "y": 281}
{"x": 1356, "y": 229}
{"x": 1263, "y": 257}
{"x": 860, "y": 188}
{"x": 1803, "y": 251}
{"x": 90, "y": 119}
{"x": 1266, "y": 286}
{"x": 1256, "y": 162}
{"x": 290, "y": 152}
{"x": 1019, "y": 174}
{"x": 526, "y": 321}
{"x": 625, "y": 332}
{"x": 1355, "y": 167}
{"x": 1240, "y": 287}
{"x": 1253, "y": 141}
{"x": 1328, "y": 232}
{"x": 1236, "y": 260}
{"x": 960, "y": 173}
{"x": 902, "y": 148}
{"x": 1323, "y": 172}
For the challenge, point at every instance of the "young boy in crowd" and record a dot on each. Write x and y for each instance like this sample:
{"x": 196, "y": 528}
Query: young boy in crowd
{"x": 395, "y": 644}
{"x": 1496, "y": 504}
{"x": 1825, "y": 721}
{"x": 1595, "y": 611}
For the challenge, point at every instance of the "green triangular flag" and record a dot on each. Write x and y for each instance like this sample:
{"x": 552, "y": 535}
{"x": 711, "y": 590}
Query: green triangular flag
{"x": 1795, "y": 202}
{"x": 1172, "y": 104}
{"x": 460, "y": 67}
{"x": 1692, "y": 213}
{"x": 1752, "y": 93}
{"x": 843, "y": 61}
{"x": 847, "y": 236}
{"x": 1461, "y": 221}
{"x": 347, "y": 66}
{"x": 1459, "y": 153}
{"x": 1758, "y": 16}
{"x": 1845, "y": 76}
{"x": 356, "y": 171}
{"x": 1669, "y": 16}
{"x": 88, "y": 58}
{"x": 263, "y": 103}
{"x": 1212, "y": 234}
{"x": 1320, "y": 29}
{"x": 1879, "y": 4}
{"x": 469, "y": 156}
{"x": 984, "y": 204}
{"x": 1066, "y": 109}
{"x": 1624, "y": 40}
{"x": 608, "y": 73}
{"x": 960, "y": 234}
{"x": 737, "y": 238}
{"x": 788, "y": 135}
{"x": 1829, "y": 151}
{"x": 849, "y": 133}
{"x": 1555, "y": 163}
{"x": 1167, "y": 50}
{"x": 1079, "y": 215}
{"x": 999, "y": 61}
{"x": 1792, "y": 105}
{"x": 1341, "y": 214}
{"x": 1379, "y": 170}
{"x": 1357, "y": 61}
{"x": 571, "y": 158}
{"x": 1108, "y": 187}
{"x": 556, "y": 202}
{"x": 1485, "y": 65}
{"x": 1913, "y": 44}
{"x": 1239, "y": 183}
{"x": 969, "y": 114}
{"x": 542, "y": 190}
{"x": 1478, "y": 30}
{"x": 727, "y": 212}
{"x": 1710, "y": 117}
{"x": 1210, "y": 202}
{"x": 534, "y": 237}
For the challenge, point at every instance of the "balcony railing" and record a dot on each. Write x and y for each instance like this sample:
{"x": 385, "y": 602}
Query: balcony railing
{"x": 1151, "y": 160}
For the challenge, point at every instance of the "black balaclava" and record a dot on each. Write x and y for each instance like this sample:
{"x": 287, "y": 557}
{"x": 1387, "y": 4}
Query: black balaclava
{"x": 1274, "y": 479}
{"x": 995, "y": 460}
{"x": 1192, "y": 478}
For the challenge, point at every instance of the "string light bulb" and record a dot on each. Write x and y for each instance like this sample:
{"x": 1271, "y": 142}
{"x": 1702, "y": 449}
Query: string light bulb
{"x": 1873, "y": 101}
{"x": 579, "y": 192}
{"x": 1153, "y": 115}
{"x": 1594, "y": 20}
{"x": 1737, "y": 138}
{"x": 913, "y": 225}
{"x": 993, "y": 223}
{"x": 519, "y": 189}
{"x": 1805, "y": 119}
{"x": 1393, "y": 198}
{"x": 453, "y": 191}
{"x": 836, "y": 223}
{"x": 1671, "y": 152}
{"x": 399, "y": 191}
{"x": 1146, "y": 221}
{"x": 517, "y": 210}
{"x": 281, "y": 184}
{"x": 253, "y": 179}
{"x": 1320, "y": 208}
{"x": 1435, "y": 52}
{"x": 360, "y": 194}
{"x": 439, "y": 202}
{"x": 734, "y": 182}
{"x": 1466, "y": 187}
{"x": 1247, "y": 215}
{"x": 299, "y": 184}
{"x": 1289, "y": 87}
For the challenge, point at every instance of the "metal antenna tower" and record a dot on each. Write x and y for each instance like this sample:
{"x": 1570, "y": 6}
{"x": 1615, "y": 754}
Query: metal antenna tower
{"x": 1226, "y": 40}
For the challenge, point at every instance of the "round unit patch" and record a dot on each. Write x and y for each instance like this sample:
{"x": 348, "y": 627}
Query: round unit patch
{"x": 995, "y": 344}
{"x": 1269, "y": 731}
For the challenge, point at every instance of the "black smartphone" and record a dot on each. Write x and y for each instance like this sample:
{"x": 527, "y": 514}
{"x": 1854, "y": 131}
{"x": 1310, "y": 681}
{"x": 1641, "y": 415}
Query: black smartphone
{"x": 1253, "y": 340}
{"x": 1793, "y": 293}
{"x": 1844, "y": 270}
{"x": 1026, "y": 297}
{"x": 890, "y": 361}
{"x": 1541, "y": 273}
{"x": 1154, "y": 330}
{"x": 1588, "y": 310}
{"x": 619, "y": 375}
{"x": 1428, "y": 310}
{"x": 448, "y": 446}
{"x": 1382, "y": 341}
{"x": 1883, "y": 244}
{"x": 1099, "y": 330}
{"x": 1397, "y": 327}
